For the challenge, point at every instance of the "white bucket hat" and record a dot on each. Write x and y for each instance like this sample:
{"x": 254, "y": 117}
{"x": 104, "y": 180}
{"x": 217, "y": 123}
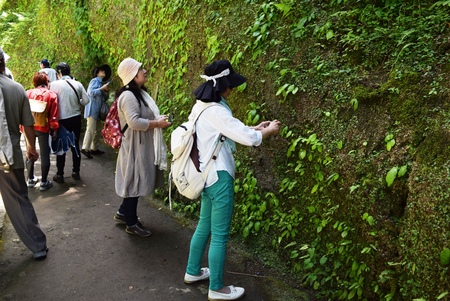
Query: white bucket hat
{"x": 128, "y": 69}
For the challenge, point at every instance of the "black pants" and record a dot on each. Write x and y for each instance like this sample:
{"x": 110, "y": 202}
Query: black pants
{"x": 44, "y": 155}
{"x": 72, "y": 124}
{"x": 129, "y": 209}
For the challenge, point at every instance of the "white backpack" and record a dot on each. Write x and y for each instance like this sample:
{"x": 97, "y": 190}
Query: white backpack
{"x": 185, "y": 171}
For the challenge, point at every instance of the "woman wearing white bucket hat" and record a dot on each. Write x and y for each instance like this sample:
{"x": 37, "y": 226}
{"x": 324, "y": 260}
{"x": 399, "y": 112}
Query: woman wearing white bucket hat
{"x": 142, "y": 156}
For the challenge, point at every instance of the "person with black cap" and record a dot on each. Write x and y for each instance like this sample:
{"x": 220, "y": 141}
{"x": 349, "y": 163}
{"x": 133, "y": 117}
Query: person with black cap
{"x": 71, "y": 96}
{"x": 98, "y": 93}
{"x": 45, "y": 67}
{"x": 218, "y": 196}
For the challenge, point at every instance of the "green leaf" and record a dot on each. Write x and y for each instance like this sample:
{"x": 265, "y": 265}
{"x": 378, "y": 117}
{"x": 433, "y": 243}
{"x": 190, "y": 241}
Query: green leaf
{"x": 284, "y": 8}
{"x": 353, "y": 188}
{"x": 281, "y": 90}
{"x": 257, "y": 226}
{"x": 402, "y": 171}
{"x": 366, "y": 250}
{"x": 246, "y": 232}
{"x": 390, "y": 144}
{"x": 445, "y": 256}
{"x": 388, "y": 137}
{"x": 316, "y": 285}
{"x": 330, "y": 34}
{"x": 302, "y": 154}
{"x": 391, "y": 175}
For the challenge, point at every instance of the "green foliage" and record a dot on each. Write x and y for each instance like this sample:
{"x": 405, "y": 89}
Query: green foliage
{"x": 352, "y": 194}
{"x": 390, "y": 142}
{"x": 445, "y": 256}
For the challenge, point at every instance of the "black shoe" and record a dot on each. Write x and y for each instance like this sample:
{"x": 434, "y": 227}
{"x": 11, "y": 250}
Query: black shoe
{"x": 97, "y": 152}
{"x": 76, "y": 176}
{"x": 87, "y": 153}
{"x": 138, "y": 230}
{"x": 58, "y": 178}
{"x": 41, "y": 255}
{"x": 120, "y": 218}
{"x": 32, "y": 182}
{"x": 46, "y": 185}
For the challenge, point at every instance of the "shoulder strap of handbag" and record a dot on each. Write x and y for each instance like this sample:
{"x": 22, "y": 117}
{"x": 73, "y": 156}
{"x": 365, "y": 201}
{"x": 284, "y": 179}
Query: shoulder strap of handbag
{"x": 72, "y": 88}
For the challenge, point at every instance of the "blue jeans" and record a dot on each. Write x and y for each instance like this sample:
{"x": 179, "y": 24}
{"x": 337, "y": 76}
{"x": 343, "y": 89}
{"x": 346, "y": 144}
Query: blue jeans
{"x": 215, "y": 218}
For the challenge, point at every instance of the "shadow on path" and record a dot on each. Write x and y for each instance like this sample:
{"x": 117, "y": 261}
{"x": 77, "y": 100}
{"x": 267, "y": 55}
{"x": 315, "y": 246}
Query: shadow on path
{"x": 92, "y": 258}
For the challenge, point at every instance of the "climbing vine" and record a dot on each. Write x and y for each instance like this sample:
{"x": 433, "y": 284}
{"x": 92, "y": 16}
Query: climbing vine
{"x": 352, "y": 192}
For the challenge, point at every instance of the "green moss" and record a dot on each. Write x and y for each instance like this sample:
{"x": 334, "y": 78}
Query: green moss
{"x": 424, "y": 233}
{"x": 308, "y": 63}
{"x": 434, "y": 150}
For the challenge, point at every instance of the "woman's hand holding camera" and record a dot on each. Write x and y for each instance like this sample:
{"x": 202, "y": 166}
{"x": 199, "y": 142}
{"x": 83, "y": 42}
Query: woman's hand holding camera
{"x": 268, "y": 128}
{"x": 161, "y": 122}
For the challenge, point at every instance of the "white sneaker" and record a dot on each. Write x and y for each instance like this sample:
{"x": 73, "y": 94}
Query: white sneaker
{"x": 235, "y": 293}
{"x": 188, "y": 279}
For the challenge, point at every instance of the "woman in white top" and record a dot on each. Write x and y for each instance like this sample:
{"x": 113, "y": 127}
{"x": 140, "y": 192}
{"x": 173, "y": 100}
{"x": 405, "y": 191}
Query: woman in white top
{"x": 218, "y": 196}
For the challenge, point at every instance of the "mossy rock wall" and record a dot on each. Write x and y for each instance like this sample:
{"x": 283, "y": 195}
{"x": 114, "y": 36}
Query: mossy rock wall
{"x": 353, "y": 193}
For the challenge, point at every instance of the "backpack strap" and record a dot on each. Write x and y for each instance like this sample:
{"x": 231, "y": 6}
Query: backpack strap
{"x": 216, "y": 149}
{"x": 213, "y": 157}
{"x": 203, "y": 109}
{"x": 124, "y": 128}
{"x": 126, "y": 124}
{"x": 43, "y": 94}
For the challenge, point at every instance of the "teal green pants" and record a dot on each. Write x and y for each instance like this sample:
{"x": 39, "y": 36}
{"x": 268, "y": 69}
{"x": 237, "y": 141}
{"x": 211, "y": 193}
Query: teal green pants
{"x": 215, "y": 218}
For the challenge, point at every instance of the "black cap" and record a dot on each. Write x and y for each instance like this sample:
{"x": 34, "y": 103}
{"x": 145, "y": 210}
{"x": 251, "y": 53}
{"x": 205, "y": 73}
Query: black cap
{"x": 210, "y": 90}
{"x": 45, "y": 62}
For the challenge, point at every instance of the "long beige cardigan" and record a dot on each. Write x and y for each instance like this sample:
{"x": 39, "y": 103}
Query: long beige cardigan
{"x": 136, "y": 173}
